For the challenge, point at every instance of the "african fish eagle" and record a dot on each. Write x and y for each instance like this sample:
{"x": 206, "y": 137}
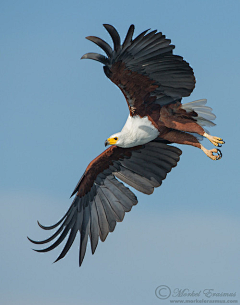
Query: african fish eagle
{"x": 153, "y": 81}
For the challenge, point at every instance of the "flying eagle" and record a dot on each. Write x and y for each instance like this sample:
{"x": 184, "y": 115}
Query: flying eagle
{"x": 153, "y": 81}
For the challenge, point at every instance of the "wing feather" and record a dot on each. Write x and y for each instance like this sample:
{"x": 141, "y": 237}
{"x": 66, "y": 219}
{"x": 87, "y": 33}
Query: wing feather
{"x": 102, "y": 200}
{"x": 70, "y": 240}
{"x": 110, "y": 215}
{"x": 115, "y": 36}
{"x": 145, "y": 66}
{"x": 115, "y": 205}
{"x": 94, "y": 226}
{"x": 60, "y": 239}
{"x": 85, "y": 228}
{"x": 128, "y": 38}
{"x": 102, "y": 219}
{"x": 102, "y": 44}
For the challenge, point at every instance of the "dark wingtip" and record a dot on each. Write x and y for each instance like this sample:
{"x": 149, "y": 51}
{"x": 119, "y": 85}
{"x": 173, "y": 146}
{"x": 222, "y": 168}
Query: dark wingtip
{"x": 128, "y": 38}
{"x": 58, "y": 259}
{"x": 45, "y": 227}
{"x": 107, "y": 25}
{"x": 93, "y": 249}
{"x": 73, "y": 193}
{"x": 95, "y": 56}
{"x": 84, "y": 56}
{"x": 114, "y": 35}
{"x": 131, "y": 28}
{"x": 39, "y": 251}
{"x": 102, "y": 44}
{"x": 81, "y": 261}
{"x": 31, "y": 240}
{"x": 41, "y": 226}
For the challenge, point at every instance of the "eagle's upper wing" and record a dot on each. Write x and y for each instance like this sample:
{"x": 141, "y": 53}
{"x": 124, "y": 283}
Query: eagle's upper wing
{"x": 101, "y": 200}
{"x": 145, "y": 69}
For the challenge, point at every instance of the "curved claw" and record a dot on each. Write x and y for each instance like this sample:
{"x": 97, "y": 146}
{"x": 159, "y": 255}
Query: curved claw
{"x": 214, "y": 154}
{"x": 219, "y": 154}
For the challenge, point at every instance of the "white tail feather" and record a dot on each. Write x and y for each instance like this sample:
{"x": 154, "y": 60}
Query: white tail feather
{"x": 201, "y": 102}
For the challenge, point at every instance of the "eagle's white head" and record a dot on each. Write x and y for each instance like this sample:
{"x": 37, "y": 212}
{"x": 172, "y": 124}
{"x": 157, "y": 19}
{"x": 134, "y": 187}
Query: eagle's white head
{"x": 119, "y": 139}
{"x": 136, "y": 131}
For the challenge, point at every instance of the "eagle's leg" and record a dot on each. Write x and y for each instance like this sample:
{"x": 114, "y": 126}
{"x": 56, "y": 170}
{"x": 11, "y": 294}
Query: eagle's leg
{"x": 214, "y": 140}
{"x": 187, "y": 124}
{"x": 176, "y": 136}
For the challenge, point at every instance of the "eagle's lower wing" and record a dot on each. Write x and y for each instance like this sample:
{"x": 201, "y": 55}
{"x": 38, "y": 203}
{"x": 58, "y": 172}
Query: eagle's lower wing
{"x": 145, "y": 69}
{"x": 101, "y": 200}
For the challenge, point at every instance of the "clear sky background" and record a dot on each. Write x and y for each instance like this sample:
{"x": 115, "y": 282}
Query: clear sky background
{"x": 56, "y": 112}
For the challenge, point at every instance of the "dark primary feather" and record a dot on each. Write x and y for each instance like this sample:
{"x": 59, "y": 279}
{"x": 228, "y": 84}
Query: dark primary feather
{"x": 98, "y": 57}
{"x": 102, "y": 44}
{"x": 128, "y": 38}
{"x": 150, "y": 56}
{"x": 102, "y": 200}
{"x": 115, "y": 36}
{"x": 94, "y": 226}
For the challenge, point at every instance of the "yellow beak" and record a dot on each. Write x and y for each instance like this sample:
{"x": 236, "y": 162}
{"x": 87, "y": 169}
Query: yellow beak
{"x": 110, "y": 141}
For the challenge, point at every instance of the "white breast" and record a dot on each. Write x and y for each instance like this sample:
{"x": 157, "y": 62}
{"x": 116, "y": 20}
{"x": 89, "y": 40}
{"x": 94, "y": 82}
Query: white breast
{"x": 137, "y": 131}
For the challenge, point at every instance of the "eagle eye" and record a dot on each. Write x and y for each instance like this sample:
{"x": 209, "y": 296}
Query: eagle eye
{"x": 115, "y": 139}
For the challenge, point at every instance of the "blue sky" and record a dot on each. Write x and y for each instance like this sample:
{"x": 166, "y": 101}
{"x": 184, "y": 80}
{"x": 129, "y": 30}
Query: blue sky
{"x": 57, "y": 111}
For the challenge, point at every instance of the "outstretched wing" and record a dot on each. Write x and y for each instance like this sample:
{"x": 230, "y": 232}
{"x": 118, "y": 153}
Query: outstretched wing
{"x": 145, "y": 69}
{"x": 101, "y": 200}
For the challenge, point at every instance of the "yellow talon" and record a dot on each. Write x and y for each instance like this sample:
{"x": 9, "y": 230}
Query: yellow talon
{"x": 214, "y": 140}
